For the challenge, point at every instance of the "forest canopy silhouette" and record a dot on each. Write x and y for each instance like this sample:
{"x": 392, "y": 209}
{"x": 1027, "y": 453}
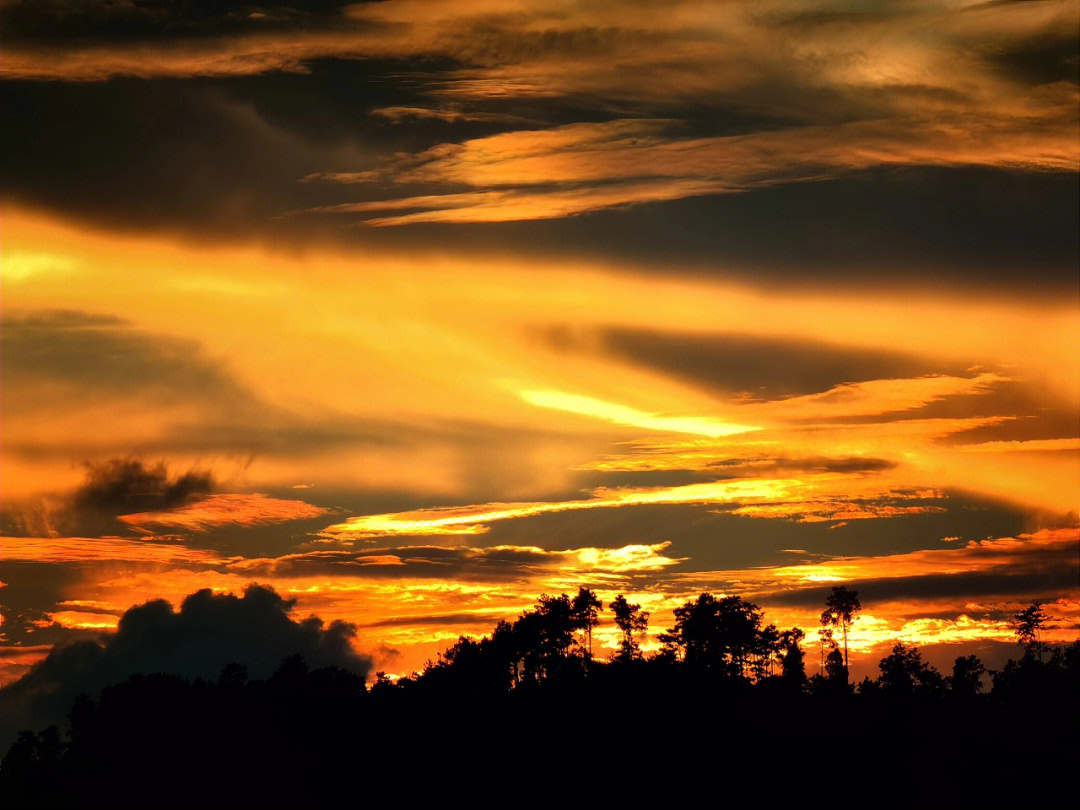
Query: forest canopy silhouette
{"x": 725, "y": 704}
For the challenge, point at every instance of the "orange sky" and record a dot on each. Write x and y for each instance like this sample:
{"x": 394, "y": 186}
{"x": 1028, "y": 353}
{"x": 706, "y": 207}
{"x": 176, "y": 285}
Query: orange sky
{"x": 749, "y": 299}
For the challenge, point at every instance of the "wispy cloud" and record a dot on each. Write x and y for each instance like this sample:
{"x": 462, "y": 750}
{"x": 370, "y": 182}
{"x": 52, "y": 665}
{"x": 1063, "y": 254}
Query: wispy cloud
{"x": 585, "y": 167}
{"x": 100, "y": 549}
{"x": 224, "y": 510}
{"x": 623, "y": 415}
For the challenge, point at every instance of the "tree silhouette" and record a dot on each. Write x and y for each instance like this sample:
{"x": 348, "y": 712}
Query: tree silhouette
{"x": 696, "y": 633}
{"x": 967, "y": 675}
{"x": 792, "y": 669}
{"x": 740, "y": 630}
{"x": 767, "y": 651}
{"x": 1029, "y": 624}
{"x": 903, "y": 672}
{"x": 718, "y": 635}
{"x": 836, "y": 670}
{"x": 505, "y": 652}
{"x": 630, "y": 619}
{"x": 825, "y": 637}
{"x": 307, "y": 728}
{"x": 583, "y": 610}
{"x": 543, "y": 636}
{"x": 841, "y": 609}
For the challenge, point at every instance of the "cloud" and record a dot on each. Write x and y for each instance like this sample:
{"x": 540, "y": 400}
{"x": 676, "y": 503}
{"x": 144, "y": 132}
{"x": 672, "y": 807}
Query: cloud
{"x": 109, "y": 489}
{"x": 818, "y": 511}
{"x": 87, "y": 355}
{"x": 1045, "y": 561}
{"x": 878, "y": 400}
{"x": 150, "y": 394}
{"x": 225, "y": 510}
{"x": 98, "y": 549}
{"x": 519, "y": 113}
{"x": 124, "y": 485}
{"x": 814, "y": 497}
{"x": 84, "y": 22}
{"x": 624, "y": 415}
{"x": 755, "y": 366}
{"x": 473, "y": 519}
{"x": 581, "y": 167}
{"x": 499, "y": 564}
{"x": 208, "y": 632}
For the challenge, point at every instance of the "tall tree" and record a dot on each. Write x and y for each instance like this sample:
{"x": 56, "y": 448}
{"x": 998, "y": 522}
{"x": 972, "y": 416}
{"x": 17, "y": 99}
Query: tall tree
{"x": 1029, "y": 624}
{"x": 841, "y": 609}
{"x": 630, "y": 619}
{"x": 583, "y": 611}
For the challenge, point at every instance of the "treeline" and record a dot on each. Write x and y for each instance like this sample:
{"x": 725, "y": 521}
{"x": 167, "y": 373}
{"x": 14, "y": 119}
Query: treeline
{"x": 724, "y": 711}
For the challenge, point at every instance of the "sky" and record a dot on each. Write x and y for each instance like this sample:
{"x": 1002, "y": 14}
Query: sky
{"x": 414, "y": 311}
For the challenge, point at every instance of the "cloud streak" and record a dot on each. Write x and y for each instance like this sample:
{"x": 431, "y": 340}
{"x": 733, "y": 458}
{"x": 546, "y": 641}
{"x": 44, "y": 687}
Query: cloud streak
{"x": 225, "y": 510}
{"x": 587, "y": 167}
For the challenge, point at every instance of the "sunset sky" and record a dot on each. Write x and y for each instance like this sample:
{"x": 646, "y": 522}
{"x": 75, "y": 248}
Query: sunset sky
{"x": 415, "y": 310}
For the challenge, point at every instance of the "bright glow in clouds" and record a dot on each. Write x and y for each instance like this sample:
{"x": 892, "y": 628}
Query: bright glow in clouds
{"x": 660, "y": 299}
{"x": 471, "y": 519}
{"x": 339, "y": 395}
{"x": 622, "y": 415}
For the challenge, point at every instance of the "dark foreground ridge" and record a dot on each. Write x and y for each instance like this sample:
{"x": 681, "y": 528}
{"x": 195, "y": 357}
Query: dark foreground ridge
{"x": 526, "y": 717}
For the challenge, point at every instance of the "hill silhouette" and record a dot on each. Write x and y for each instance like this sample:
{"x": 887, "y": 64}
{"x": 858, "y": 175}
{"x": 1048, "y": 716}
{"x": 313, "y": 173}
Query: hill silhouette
{"x": 528, "y": 716}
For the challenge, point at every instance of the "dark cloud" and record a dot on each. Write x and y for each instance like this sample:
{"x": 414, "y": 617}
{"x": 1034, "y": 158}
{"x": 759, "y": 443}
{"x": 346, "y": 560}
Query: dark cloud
{"x": 227, "y": 171}
{"x": 417, "y": 561}
{"x": 82, "y": 359}
{"x": 1051, "y": 58}
{"x": 961, "y": 231}
{"x": 115, "y": 21}
{"x": 712, "y": 539}
{"x": 93, "y": 355}
{"x": 198, "y": 641}
{"x": 956, "y": 228}
{"x": 482, "y": 620}
{"x": 121, "y": 486}
{"x": 1026, "y": 414}
{"x": 722, "y": 469}
{"x": 33, "y": 590}
{"x": 1055, "y": 576}
{"x": 111, "y": 488}
{"x": 231, "y": 152}
{"x": 759, "y": 367}
{"x": 702, "y": 536}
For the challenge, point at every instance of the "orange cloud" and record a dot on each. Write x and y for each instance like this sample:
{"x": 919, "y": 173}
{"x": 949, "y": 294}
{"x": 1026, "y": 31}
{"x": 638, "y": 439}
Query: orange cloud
{"x": 87, "y": 549}
{"x": 1014, "y": 554}
{"x": 223, "y": 510}
{"x": 471, "y": 519}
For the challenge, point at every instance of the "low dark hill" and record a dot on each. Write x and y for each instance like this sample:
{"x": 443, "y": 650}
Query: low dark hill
{"x": 636, "y": 732}
{"x": 724, "y": 714}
